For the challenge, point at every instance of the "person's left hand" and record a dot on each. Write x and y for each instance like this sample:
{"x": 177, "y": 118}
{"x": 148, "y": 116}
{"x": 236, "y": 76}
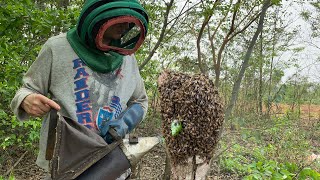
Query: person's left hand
{"x": 119, "y": 126}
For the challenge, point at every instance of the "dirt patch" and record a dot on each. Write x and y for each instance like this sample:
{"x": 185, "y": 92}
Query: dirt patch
{"x": 309, "y": 111}
{"x": 26, "y": 169}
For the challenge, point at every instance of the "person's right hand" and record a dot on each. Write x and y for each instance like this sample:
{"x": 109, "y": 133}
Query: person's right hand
{"x": 38, "y": 105}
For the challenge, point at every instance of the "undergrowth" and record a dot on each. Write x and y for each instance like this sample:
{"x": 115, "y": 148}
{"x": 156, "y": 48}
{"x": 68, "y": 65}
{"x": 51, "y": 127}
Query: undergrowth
{"x": 274, "y": 148}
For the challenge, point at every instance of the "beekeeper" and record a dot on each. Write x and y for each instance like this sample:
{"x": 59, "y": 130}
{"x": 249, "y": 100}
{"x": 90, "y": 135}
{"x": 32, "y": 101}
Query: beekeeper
{"x": 90, "y": 73}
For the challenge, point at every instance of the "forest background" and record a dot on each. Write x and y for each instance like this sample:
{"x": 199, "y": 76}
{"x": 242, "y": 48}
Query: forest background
{"x": 262, "y": 55}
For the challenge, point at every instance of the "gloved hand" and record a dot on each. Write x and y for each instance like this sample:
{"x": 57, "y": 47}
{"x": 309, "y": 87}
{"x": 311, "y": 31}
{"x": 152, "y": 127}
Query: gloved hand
{"x": 124, "y": 124}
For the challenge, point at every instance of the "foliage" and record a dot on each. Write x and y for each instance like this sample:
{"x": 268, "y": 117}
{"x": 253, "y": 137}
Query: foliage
{"x": 35, "y": 23}
{"x": 11, "y": 177}
{"x": 273, "y": 170}
{"x": 312, "y": 15}
{"x": 275, "y": 152}
{"x": 308, "y": 172}
{"x": 17, "y": 133}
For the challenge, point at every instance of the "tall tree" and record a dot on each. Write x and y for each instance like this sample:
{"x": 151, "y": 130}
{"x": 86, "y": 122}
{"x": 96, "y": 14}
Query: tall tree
{"x": 239, "y": 23}
{"x": 236, "y": 87}
{"x": 260, "y": 94}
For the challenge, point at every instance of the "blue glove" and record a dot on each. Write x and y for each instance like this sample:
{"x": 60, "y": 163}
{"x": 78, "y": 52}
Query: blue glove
{"x": 124, "y": 124}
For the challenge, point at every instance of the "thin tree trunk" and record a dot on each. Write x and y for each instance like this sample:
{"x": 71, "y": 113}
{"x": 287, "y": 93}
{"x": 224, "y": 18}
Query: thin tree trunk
{"x": 260, "y": 73}
{"x": 229, "y": 36}
{"x": 236, "y": 87}
{"x": 167, "y": 170}
{"x": 217, "y": 66}
{"x": 211, "y": 37}
{"x": 200, "y": 62}
{"x": 225, "y": 87}
{"x": 271, "y": 66}
{"x": 294, "y": 96}
{"x": 309, "y": 110}
{"x": 194, "y": 168}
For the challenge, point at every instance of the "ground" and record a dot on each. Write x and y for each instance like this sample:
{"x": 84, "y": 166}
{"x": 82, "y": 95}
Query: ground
{"x": 151, "y": 166}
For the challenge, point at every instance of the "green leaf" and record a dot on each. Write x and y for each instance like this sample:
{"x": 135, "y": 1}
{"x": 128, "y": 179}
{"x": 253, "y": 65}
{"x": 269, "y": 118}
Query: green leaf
{"x": 276, "y": 176}
{"x": 276, "y": 2}
{"x": 257, "y": 176}
{"x": 308, "y": 172}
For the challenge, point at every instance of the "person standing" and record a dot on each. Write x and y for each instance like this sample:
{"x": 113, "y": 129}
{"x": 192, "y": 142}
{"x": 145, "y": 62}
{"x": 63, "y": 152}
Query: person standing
{"x": 90, "y": 73}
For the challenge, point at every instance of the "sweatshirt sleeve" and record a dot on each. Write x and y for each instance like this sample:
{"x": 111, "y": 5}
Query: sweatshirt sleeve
{"x": 36, "y": 80}
{"x": 139, "y": 95}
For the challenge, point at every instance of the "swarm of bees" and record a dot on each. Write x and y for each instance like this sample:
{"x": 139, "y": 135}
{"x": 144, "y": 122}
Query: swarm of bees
{"x": 193, "y": 101}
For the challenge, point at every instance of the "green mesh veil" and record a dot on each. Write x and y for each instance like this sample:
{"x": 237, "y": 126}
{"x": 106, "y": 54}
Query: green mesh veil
{"x": 97, "y": 16}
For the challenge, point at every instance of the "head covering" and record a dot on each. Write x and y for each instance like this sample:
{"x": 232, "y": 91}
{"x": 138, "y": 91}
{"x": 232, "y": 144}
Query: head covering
{"x": 96, "y": 17}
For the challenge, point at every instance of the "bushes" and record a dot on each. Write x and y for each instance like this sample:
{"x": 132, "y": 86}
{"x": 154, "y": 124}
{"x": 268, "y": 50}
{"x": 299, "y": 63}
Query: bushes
{"x": 17, "y": 133}
{"x": 24, "y": 27}
{"x": 255, "y": 168}
{"x": 274, "y": 148}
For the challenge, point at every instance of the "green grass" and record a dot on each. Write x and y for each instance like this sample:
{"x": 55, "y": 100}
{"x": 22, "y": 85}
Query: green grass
{"x": 275, "y": 148}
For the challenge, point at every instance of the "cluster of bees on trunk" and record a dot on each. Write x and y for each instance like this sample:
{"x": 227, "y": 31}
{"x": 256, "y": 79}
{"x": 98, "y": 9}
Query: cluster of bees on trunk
{"x": 193, "y": 101}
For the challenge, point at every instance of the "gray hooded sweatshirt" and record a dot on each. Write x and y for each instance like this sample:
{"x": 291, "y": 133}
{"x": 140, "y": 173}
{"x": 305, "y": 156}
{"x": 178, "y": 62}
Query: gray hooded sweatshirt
{"x": 83, "y": 95}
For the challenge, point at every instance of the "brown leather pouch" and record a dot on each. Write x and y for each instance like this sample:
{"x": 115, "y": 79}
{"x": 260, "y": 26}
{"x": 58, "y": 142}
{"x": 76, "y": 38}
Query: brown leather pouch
{"x": 76, "y": 152}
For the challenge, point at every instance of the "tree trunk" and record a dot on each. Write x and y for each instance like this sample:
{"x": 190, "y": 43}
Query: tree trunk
{"x": 269, "y": 105}
{"x": 167, "y": 170}
{"x": 200, "y": 62}
{"x": 260, "y": 74}
{"x": 236, "y": 86}
{"x": 217, "y": 75}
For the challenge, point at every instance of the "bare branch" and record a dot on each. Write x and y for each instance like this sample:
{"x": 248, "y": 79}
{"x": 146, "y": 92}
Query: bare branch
{"x": 204, "y": 24}
{"x": 164, "y": 27}
{"x": 214, "y": 33}
{"x": 224, "y": 43}
{"x": 15, "y": 164}
{"x": 247, "y": 25}
{"x": 182, "y": 13}
{"x": 246, "y": 17}
{"x": 220, "y": 23}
